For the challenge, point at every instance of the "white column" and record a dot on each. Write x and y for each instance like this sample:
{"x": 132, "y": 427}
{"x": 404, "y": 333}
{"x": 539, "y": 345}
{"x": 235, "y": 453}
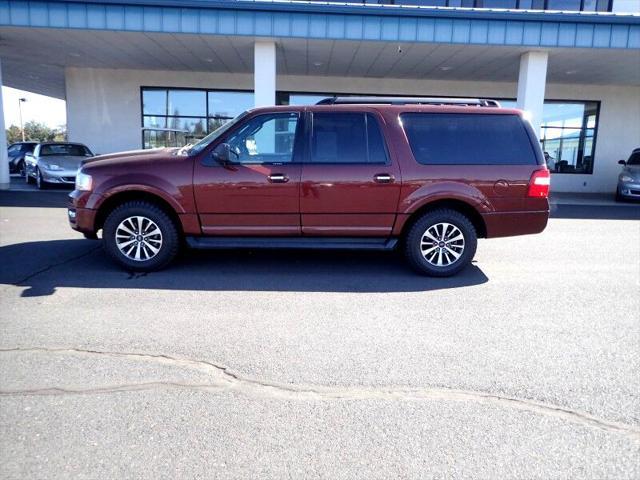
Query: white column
{"x": 4, "y": 159}
{"x": 532, "y": 81}
{"x": 264, "y": 74}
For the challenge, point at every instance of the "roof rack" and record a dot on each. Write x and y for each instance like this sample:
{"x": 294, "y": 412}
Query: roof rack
{"x": 474, "y": 102}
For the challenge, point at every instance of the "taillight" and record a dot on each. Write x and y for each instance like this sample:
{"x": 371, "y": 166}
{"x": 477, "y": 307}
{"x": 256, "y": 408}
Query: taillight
{"x": 539, "y": 184}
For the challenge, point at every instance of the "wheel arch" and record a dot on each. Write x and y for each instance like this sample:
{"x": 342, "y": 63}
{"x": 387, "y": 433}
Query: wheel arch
{"x": 461, "y": 206}
{"x": 117, "y": 199}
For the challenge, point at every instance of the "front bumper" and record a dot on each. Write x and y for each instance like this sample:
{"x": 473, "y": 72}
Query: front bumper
{"x": 629, "y": 190}
{"x": 66, "y": 177}
{"x": 80, "y": 217}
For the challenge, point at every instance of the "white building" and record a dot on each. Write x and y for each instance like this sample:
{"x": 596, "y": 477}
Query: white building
{"x": 143, "y": 73}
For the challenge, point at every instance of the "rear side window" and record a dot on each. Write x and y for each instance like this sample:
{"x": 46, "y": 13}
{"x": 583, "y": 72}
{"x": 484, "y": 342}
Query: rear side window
{"x": 349, "y": 138}
{"x": 468, "y": 139}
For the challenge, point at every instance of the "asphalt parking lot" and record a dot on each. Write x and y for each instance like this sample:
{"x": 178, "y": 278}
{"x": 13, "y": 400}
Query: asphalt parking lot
{"x": 240, "y": 364}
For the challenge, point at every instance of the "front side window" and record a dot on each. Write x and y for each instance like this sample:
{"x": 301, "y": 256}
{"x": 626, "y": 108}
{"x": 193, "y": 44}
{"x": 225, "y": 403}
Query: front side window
{"x": 468, "y": 139}
{"x": 348, "y": 138}
{"x": 265, "y": 139}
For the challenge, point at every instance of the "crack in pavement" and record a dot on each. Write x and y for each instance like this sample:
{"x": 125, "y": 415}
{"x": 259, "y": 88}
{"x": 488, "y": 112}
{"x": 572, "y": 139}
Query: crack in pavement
{"x": 226, "y": 380}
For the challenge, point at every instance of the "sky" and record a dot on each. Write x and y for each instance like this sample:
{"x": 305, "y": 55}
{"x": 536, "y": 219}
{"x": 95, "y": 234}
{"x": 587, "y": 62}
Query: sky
{"x": 47, "y": 110}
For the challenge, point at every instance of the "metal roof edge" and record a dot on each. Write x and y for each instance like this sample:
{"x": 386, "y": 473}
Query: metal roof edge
{"x": 376, "y": 10}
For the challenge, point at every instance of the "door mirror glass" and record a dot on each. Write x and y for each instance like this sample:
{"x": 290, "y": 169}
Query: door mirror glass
{"x": 621, "y": 162}
{"x": 222, "y": 153}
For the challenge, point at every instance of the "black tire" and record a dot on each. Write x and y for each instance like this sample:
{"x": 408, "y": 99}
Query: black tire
{"x": 413, "y": 241}
{"x": 170, "y": 237}
{"x": 20, "y": 168}
{"x": 27, "y": 178}
{"x": 40, "y": 183}
{"x": 619, "y": 198}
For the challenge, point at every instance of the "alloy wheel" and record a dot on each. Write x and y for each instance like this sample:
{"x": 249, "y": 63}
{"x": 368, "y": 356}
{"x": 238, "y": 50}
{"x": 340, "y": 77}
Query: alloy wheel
{"x": 138, "y": 238}
{"x": 442, "y": 244}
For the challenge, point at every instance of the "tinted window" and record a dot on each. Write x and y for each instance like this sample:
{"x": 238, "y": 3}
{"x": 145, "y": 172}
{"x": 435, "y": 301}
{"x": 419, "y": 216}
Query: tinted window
{"x": 64, "y": 149}
{"x": 468, "y": 139}
{"x": 634, "y": 159}
{"x": 346, "y": 138}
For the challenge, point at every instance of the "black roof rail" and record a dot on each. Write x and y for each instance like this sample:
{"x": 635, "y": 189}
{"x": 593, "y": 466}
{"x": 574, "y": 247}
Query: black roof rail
{"x": 474, "y": 102}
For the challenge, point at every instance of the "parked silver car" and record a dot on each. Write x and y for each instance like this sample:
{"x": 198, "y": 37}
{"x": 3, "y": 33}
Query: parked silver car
{"x": 55, "y": 162}
{"x": 629, "y": 178}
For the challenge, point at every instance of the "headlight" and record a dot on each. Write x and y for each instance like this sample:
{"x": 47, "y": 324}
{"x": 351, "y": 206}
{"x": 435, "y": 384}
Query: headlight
{"x": 626, "y": 178}
{"x": 84, "y": 181}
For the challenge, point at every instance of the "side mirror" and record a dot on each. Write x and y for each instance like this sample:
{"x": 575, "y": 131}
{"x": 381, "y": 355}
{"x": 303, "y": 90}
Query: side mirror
{"x": 222, "y": 153}
{"x": 621, "y": 162}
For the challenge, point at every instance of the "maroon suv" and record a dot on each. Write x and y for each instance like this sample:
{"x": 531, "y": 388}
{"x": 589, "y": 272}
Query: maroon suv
{"x": 351, "y": 173}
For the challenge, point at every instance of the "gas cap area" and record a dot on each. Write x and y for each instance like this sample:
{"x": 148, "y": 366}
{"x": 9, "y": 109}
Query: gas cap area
{"x": 501, "y": 187}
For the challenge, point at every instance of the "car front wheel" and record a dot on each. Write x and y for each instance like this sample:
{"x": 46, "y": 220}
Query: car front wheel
{"x": 40, "y": 183}
{"x": 140, "y": 236}
{"x": 441, "y": 243}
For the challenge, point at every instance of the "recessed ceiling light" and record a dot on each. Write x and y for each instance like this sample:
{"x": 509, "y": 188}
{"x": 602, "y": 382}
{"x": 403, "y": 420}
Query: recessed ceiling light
{"x": 208, "y": 60}
{"x": 33, "y": 77}
{"x": 445, "y": 68}
{"x": 74, "y": 54}
{"x": 571, "y": 72}
{"x": 317, "y": 64}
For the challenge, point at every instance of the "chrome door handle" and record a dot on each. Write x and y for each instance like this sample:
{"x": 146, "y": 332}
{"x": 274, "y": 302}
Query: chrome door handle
{"x": 278, "y": 178}
{"x": 383, "y": 178}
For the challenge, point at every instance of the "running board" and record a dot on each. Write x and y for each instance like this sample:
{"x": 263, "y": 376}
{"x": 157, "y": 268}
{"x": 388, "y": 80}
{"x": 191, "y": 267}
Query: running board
{"x": 326, "y": 243}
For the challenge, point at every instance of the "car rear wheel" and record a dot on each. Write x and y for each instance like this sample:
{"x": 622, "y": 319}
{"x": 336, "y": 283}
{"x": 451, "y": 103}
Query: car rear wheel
{"x": 140, "y": 236}
{"x": 441, "y": 243}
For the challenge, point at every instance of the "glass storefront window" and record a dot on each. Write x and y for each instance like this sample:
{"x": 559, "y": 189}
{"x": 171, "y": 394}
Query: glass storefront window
{"x": 229, "y": 104}
{"x": 567, "y": 136}
{"x": 174, "y": 117}
{"x": 187, "y": 103}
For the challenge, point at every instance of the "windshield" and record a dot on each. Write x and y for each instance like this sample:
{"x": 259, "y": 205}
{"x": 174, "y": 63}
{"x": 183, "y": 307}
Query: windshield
{"x": 206, "y": 141}
{"x": 67, "y": 149}
{"x": 634, "y": 159}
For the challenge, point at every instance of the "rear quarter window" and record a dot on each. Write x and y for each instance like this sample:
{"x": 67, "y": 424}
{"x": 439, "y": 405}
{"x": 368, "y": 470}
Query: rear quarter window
{"x": 468, "y": 139}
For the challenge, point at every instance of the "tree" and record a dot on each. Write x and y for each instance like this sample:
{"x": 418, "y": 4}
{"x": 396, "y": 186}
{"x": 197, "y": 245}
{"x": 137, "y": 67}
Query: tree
{"x": 35, "y": 131}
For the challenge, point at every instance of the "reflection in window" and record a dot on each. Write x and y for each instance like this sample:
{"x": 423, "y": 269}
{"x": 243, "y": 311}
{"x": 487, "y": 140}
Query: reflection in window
{"x": 174, "y": 117}
{"x": 265, "y": 139}
{"x": 568, "y": 136}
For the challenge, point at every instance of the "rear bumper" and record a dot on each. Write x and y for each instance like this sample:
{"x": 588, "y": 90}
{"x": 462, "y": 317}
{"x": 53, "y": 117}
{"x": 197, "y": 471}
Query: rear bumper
{"x": 507, "y": 224}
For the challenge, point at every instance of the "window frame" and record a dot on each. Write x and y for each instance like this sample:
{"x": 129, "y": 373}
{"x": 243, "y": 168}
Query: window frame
{"x": 374, "y": 115}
